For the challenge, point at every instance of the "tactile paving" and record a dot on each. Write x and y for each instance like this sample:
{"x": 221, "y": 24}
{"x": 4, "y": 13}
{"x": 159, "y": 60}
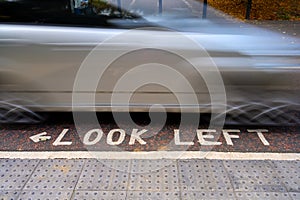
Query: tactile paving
{"x": 120, "y": 165}
{"x": 208, "y": 195}
{"x": 45, "y": 195}
{"x": 7, "y": 194}
{"x": 14, "y": 173}
{"x": 57, "y": 174}
{"x": 154, "y": 175}
{"x": 256, "y": 176}
{"x": 295, "y": 196}
{"x": 99, "y": 195}
{"x": 148, "y": 179}
{"x": 148, "y": 166}
{"x": 289, "y": 174}
{"x": 203, "y": 175}
{"x": 104, "y": 175}
{"x": 149, "y": 195}
{"x": 262, "y": 195}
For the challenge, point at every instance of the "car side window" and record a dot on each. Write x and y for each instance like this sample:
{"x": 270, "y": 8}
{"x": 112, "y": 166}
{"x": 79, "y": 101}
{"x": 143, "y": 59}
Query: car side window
{"x": 61, "y": 12}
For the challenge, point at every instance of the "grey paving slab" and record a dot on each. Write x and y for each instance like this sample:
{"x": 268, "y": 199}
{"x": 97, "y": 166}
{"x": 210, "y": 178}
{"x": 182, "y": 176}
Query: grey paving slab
{"x": 189, "y": 195}
{"x": 154, "y": 175}
{"x": 148, "y": 166}
{"x": 203, "y": 175}
{"x": 120, "y": 165}
{"x": 256, "y": 176}
{"x": 57, "y": 174}
{"x": 9, "y": 194}
{"x": 262, "y": 195}
{"x": 104, "y": 175}
{"x": 14, "y": 173}
{"x": 150, "y": 195}
{"x": 99, "y": 195}
{"x": 289, "y": 174}
{"x": 295, "y": 195}
{"x": 45, "y": 195}
{"x": 148, "y": 179}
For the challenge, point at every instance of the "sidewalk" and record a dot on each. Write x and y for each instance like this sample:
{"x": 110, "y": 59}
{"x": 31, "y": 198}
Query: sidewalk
{"x": 289, "y": 28}
{"x": 195, "y": 8}
{"x": 148, "y": 179}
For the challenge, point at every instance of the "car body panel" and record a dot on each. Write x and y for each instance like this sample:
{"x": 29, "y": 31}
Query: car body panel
{"x": 42, "y": 61}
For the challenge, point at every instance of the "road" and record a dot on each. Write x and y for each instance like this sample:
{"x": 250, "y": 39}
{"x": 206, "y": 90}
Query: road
{"x": 64, "y": 135}
{"x": 55, "y": 160}
{"x": 195, "y": 8}
{"x": 175, "y": 7}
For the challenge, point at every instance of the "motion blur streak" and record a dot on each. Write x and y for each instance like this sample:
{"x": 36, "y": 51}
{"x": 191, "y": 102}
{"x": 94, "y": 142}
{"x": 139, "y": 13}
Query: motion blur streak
{"x": 12, "y": 112}
{"x": 41, "y": 54}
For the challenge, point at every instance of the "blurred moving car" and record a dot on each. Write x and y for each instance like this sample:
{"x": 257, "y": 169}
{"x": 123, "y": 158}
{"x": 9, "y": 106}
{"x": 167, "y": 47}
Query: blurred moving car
{"x": 44, "y": 43}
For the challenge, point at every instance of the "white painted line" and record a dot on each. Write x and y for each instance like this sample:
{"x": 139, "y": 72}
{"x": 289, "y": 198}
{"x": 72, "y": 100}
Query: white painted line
{"x": 148, "y": 155}
{"x": 187, "y": 3}
{"x": 40, "y": 137}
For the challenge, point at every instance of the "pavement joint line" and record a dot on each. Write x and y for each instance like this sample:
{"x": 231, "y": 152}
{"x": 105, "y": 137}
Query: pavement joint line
{"x": 150, "y": 155}
{"x": 128, "y": 180}
{"x": 230, "y": 180}
{"x": 179, "y": 180}
{"x": 79, "y": 176}
{"x": 273, "y": 166}
{"x": 29, "y": 177}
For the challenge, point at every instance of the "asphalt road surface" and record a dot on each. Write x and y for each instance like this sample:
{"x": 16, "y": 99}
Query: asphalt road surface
{"x": 62, "y": 134}
{"x": 57, "y": 159}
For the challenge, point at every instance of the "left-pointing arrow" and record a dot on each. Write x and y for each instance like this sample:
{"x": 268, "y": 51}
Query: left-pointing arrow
{"x": 40, "y": 137}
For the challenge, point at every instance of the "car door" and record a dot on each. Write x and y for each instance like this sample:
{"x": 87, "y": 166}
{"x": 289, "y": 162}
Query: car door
{"x": 42, "y": 45}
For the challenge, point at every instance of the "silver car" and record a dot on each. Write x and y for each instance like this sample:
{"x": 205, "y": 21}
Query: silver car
{"x": 60, "y": 55}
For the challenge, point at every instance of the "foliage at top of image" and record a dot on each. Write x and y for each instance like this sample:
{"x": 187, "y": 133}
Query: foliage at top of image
{"x": 261, "y": 9}
{"x": 103, "y": 7}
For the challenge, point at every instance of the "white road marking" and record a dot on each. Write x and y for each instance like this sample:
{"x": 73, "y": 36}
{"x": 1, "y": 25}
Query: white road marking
{"x": 177, "y": 139}
{"x": 136, "y": 136}
{"x": 58, "y": 141}
{"x": 40, "y": 137}
{"x": 120, "y": 139}
{"x": 260, "y": 135}
{"x": 86, "y": 139}
{"x": 188, "y": 4}
{"x": 132, "y": 2}
{"x": 228, "y": 136}
{"x": 148, "y": 155}
{"x": 202, "y": 137}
